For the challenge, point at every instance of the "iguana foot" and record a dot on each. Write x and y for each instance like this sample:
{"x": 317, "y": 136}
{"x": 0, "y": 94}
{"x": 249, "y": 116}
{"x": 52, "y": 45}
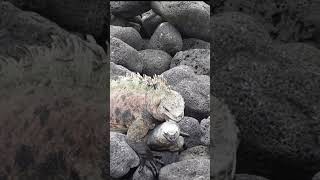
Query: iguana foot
{"x": 147, "y": 159}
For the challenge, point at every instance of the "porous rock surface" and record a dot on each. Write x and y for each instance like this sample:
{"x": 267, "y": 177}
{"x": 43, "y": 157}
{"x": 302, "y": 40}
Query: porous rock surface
{"x": 166, "y": 38}
{"x": 128, "y": 35}
{"x": 224, "y": 141}
{"x": 52, "y": 84}
{"x": 155, "y": 61}
{"x": 87, "y": 17}
{"x": 192, "y": 18}
{"x": 122, "y": 156}
{"x": 123, "y": 54}
{"x": 273, "y": 95}
{"x": 200, "y": 169}
{"x": 162, "y": 39}
{"x": 198, "y": 59}
{"x": 193, "y": 43}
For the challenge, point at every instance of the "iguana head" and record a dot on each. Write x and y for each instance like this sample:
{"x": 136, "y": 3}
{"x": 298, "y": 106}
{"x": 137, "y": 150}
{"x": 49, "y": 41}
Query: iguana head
{"x": 171, "y": 106}
{"x": 170, "y": 130}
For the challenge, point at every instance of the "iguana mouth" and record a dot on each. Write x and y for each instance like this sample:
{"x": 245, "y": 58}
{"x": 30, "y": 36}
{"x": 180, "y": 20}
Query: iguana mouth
{"x": 172, "y": 140}
{"x": 172, "y": 118}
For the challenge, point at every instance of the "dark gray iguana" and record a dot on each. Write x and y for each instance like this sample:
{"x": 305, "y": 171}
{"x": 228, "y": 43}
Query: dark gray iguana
{"x": 137, "y": 104}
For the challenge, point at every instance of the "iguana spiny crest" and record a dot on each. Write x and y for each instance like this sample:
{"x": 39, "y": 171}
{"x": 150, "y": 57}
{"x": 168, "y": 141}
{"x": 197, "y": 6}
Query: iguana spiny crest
{"x": 160, "y": 100}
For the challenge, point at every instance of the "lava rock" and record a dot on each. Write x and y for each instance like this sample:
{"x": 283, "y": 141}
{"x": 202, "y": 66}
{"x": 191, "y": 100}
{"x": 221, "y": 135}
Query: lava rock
{"x": 249, "y": 177}
{"x": 146, "y": 174}
{"x": 234, "y": 31}
{"x": 167, "y": 157}
{"x": 225, "y": 138}
{"x": 300, "y": 52}
{"x": 192, "y": 18}
{"x": 118, "y": 70}
{"x": 316, "y": 176}
{"x": 129, "y": 9}
{"x": 194, "y": 89}
{"x": 86, "y": 17}
{"x": 125, "y": 55}
{"x": 118, "y": 21}
{"x": 155, "y": 61}
{"x": 167, "y": 38}
{"x": 122, "y": 156}
{"x": 198, "y": 59}
{"x": 150, "y": 21}
{"x": 49, "y": 55}
{"x": 205, "y": 131}
{"x": 193, "y": 43}
{"x": 145, "y": 44}
{"x": 177, "y": 74}
{"x": 274, "y": 99}
{"x": 196, "y": 152}
{"x": 196, "y": 94}
{"x": 128, "y": 35}
{"x": 187, "y": 170}
{"x": 190, "y": 126}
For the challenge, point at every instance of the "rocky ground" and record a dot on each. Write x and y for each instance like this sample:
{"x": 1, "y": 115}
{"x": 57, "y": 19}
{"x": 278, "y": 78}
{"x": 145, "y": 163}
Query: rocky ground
{"x": 156, "y": 39}
{"x": 266, "y": 69}
{"x": 264, "y": 90}
{"x": 52, "y": 100}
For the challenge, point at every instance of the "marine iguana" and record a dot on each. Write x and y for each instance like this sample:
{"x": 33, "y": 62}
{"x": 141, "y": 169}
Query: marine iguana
{"x": 137, "y": 104}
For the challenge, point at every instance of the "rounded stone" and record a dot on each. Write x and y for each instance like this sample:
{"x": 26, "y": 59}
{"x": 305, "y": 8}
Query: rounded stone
{"x": 193, "y": 43}
{"x": 205, "y": 132}
{"x": 150, "y": 21}
{"x": 235, "y": 31}
{"x": 190, "y": 126}
{"x": 177, "y": 74}
{"x": 196, "y": 152}
{"x": 167, "y": 38}
{"x": 129, "y": 9}
{"x": 155, "y": 61}
{"x": 198, "y": 59}
{"x": 275, "y": 101}
{"x": 196, "y": 94}
{"x": 316, "y": 176}
{"x": 128, "y": 35}
{"x": 225, "y": 138}
{"x": 125, "y": 55}
{"x": 122, "y": 156}
{"x": 118, "y": 70}
{"x": 188, "y": 170}
{"x": 192, "y": 18}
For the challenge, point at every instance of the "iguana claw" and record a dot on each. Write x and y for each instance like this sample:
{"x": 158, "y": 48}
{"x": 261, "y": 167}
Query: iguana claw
{"x": 147, "y": 159}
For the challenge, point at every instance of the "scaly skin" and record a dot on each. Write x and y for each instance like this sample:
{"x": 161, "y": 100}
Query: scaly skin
{"x": 145, "y": 100}
{"x": 136, "y": 104}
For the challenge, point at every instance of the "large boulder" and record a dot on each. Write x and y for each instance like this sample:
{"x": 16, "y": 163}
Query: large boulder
{"x": 187, "y": 170}
{"x": 195, "y": 89}
{"x": 198, "y": 59}
{"x": 122, "y": 156}
{"x": 235, "y": 31}
{"x": 123, "y": 54}
{"x": 52, "y": 100}
{"x": 192, "y": 18}
{"x": 167, "y": 38}
{"x": 224, "y": 141}
{"x": 155, "y": 61}
{"x": 129, "y": 9}
{"x": 88, "y": 17}
{"x": 48, "y": 55}
{"x": 275, "y": 101}
{"x": 128, "y": 35}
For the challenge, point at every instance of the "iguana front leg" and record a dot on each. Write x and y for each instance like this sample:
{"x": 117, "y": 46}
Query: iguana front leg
{"x": 136, "y": 139}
